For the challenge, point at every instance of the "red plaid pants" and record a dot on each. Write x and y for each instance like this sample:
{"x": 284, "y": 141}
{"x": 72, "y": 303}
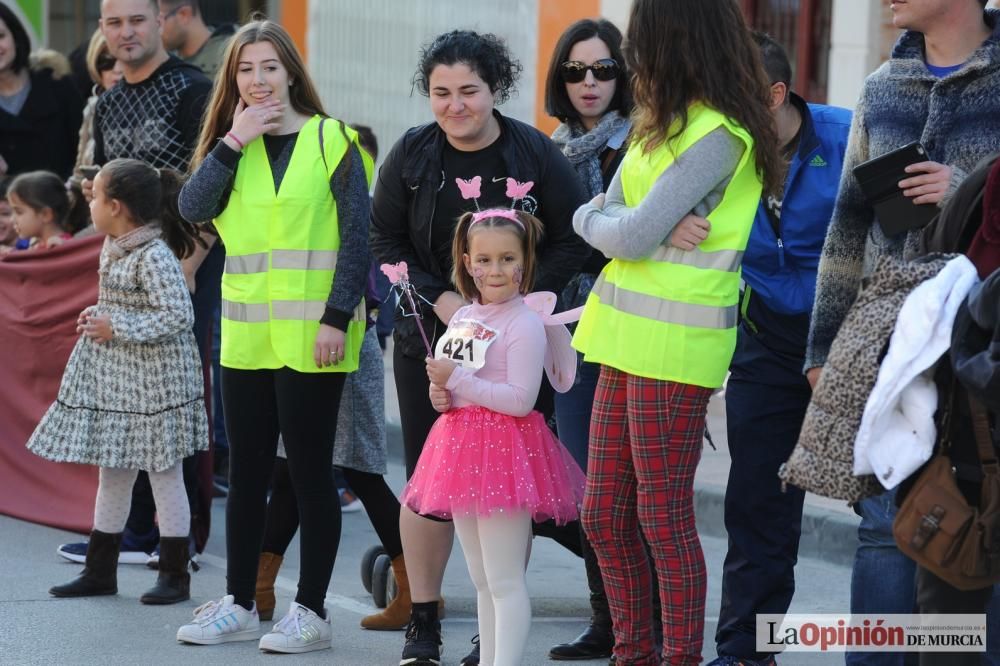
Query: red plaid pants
{"x": 645, "y": 443}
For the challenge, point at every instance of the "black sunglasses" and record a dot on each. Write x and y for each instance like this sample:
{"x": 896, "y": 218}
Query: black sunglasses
{"x": 574, "y": 71}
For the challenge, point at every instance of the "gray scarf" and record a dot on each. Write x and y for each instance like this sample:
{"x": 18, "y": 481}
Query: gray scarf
{"x": 583, "y": 149}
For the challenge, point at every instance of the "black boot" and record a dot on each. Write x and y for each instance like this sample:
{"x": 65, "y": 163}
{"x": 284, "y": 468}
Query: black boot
{"x": 173, "y": 582}
{"x": 597, "y": 640}
{"x": 100, "y": 572}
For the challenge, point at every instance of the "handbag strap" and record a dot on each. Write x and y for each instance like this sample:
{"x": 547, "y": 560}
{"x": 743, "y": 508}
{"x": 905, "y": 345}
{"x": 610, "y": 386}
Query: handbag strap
{"x": 944, "y": 442}
{"x": 981, "y": 430}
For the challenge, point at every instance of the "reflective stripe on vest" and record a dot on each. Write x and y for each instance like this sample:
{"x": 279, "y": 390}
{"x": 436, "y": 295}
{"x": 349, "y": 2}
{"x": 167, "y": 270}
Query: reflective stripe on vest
{"x": 672, "y": 316}
{"x": 720, "y": 260}
{"x": 256, "y": 313}
{"x": 324, "y": 260}
{"x": 282, "y": 254}
{"x": 671, "y": 312}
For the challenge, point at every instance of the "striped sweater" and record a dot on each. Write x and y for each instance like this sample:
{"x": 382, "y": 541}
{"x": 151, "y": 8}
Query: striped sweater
{"x": 956, "y": 118}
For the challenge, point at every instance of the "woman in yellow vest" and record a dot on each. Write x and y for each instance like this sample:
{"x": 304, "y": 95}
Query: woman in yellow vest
{"x": 267, "y": 162}
{"x": 661, "y": 317}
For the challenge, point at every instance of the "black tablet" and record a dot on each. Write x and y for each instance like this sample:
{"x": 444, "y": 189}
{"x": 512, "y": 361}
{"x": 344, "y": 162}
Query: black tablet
{"x": 879, "y": 181}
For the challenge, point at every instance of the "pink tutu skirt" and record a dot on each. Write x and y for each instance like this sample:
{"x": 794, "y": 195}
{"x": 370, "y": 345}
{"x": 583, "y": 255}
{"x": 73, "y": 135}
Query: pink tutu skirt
{"x": 477, "y": 462}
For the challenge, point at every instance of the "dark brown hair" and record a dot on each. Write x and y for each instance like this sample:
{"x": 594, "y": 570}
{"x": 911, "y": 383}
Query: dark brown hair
{"x": 686, "y": 51}
{"x": 557, "y": 102}
{"x": 530, "y": 234}
{"x": 22, "y": 43}
{"x": 44, "y": 189}
{"x": 149, "y": 195}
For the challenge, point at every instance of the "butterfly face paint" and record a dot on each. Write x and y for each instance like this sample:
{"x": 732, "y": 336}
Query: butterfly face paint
{"x": 496, "y": 263}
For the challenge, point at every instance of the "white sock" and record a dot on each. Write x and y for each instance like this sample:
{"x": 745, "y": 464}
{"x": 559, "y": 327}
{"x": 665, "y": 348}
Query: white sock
{"x": 173, "y": 513}
{"x": 114, "y": 499}
{"x": 468, "y": 535}
{"x": 498, "y": 555}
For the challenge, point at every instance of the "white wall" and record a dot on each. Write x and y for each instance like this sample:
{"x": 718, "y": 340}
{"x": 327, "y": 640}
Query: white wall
{"x": 617, "y": 12}
{"x": 362, "y": 55}
{"x": 855, "y": 51}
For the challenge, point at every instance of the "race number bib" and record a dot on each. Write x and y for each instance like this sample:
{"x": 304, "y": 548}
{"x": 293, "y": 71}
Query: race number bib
{"x": 466, "y": 343}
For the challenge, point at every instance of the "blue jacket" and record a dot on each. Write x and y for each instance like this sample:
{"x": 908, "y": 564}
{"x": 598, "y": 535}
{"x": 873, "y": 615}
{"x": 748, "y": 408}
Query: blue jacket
{"x": 781, "y": 269}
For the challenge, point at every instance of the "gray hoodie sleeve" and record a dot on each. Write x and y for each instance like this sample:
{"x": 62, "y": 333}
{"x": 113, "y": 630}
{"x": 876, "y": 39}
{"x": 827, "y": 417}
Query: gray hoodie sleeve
{"x": 693, "y": 184}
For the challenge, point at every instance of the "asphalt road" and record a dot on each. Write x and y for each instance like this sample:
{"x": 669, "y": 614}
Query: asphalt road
{"x": 38, "y": 629}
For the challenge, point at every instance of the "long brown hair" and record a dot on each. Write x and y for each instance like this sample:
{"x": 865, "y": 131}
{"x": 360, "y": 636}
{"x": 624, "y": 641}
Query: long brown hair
{"x": 529, "y": 229}
{"x": 686, "y": 51}
{"x": 225, "y": 95}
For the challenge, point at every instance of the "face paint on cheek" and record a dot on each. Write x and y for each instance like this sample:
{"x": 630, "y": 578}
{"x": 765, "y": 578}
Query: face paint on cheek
{"x": 518, "y": 274}
{"x": 478, "y": 275}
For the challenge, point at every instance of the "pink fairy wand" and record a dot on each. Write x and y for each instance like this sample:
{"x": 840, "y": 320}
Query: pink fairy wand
{"x": 400, "y": 278}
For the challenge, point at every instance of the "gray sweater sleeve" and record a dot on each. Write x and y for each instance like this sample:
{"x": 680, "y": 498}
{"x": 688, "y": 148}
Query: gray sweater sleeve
{"x": 693, "y": 184}
{"x": 350, "y": 190}
{"x": 205, "y": 193}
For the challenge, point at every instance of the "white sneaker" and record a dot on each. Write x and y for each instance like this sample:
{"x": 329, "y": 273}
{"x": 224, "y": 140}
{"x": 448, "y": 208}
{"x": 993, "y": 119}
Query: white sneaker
{"x": 222, "y": 621}
{"x": 301, "y": 630}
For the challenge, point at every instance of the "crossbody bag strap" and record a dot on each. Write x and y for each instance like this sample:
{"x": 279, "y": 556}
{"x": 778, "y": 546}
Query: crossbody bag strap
{"x": 609, "y": 157}
{"x": 984, "y": 443}
{"x": 944, "y": 441}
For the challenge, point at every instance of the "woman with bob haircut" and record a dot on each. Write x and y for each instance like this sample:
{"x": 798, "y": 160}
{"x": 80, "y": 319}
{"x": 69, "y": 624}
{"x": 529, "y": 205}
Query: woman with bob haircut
{"x": 661, "y": 317}
{"x": 417, "y": 204}
{"x": 287, "y": 189}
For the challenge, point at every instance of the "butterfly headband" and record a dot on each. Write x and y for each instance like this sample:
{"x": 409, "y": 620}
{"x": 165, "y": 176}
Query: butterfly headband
{"x": 470, "y": 189}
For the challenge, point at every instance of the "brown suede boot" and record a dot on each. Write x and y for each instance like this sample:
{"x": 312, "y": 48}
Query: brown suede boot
{"x": 397, "y": 614}
{"x": 100, "y": 573}
{"x": 267, "y": 571}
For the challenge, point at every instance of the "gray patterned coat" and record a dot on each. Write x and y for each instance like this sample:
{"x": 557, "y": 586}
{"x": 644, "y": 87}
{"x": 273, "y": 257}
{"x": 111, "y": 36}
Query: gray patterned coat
{"x": 137, "y": 401}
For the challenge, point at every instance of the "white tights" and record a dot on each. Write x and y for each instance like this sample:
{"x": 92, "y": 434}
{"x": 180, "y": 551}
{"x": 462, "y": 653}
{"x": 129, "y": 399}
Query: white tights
{"x": 495, "y": 548}
{"x": 114, "y": 500}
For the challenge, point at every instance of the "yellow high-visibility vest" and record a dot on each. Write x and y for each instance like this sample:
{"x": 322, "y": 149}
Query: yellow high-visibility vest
{"x": 672, "y": 316}
{"x": 281, "y": 252}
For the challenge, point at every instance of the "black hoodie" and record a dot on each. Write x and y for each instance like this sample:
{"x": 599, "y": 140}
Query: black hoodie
{"x": 156, "y": 120}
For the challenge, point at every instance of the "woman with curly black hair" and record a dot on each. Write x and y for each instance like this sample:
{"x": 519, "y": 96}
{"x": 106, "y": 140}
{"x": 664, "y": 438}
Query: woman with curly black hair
{"x": 416, "y": 206}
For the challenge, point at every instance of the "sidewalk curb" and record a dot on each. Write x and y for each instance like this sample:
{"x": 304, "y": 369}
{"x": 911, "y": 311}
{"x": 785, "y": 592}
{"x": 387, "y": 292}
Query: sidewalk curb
{"x": 826, "y": 535}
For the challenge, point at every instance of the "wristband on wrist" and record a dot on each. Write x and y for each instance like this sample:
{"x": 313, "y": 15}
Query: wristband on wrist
{"x": 236, "y": 139}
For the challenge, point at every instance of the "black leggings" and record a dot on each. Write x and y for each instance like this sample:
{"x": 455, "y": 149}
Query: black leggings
{"x": 416, "y": 413}
{"x": 283, "y": 514}
{"x": 258, "y": 404}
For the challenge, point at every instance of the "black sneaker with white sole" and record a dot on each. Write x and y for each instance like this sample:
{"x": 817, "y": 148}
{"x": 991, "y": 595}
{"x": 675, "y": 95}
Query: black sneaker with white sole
{"x": 423, "y": 642}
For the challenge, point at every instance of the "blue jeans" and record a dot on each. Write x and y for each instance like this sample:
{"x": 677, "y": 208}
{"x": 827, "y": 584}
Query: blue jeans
{"x": 883, "y": 580}
{"x": 573, "y": 410}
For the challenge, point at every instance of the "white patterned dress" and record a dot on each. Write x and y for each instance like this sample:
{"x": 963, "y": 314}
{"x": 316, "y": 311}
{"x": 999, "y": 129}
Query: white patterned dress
{"x": 137, "y": 401}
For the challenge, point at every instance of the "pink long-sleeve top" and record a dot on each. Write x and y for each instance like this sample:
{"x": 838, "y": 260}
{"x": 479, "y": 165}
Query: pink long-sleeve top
{"x": 510, "y": 375}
